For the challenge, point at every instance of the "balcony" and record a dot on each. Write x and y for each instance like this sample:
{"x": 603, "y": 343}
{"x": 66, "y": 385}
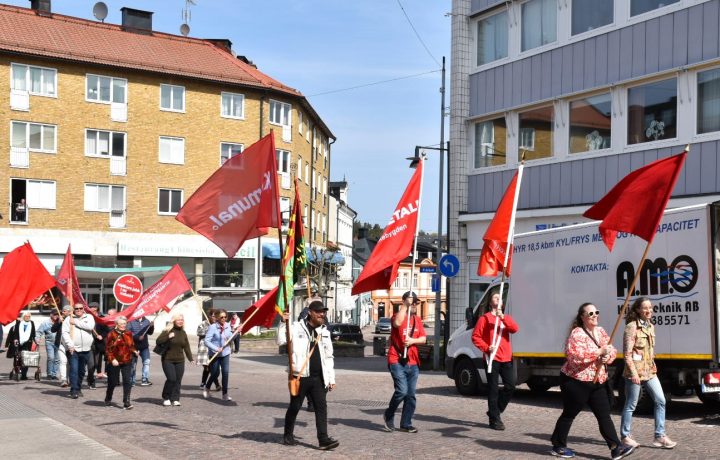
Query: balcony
{"x": 118, "y": 166}
{"x": 117, "y": 219}
{"x": 228, "y": 280}
{"x": 19, "y": 157}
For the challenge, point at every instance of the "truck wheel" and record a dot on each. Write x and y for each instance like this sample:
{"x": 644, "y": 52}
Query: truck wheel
{"x": 538, "y": 385}
{"x": 711, "y": 400}
{"x": 466, "y": 378}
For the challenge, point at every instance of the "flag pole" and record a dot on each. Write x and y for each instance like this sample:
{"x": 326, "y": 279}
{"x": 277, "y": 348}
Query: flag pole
{"x": 495, "y": 342}
{"x": 412, "y": 270}
{"x": 285, "y": 293}
{"x": 54, "y": 302}
{"x": 192, "y": 291}
{"x": 237, "y": 331}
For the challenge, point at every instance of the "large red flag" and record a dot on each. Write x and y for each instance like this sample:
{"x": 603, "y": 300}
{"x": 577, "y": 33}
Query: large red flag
{"x": 636, "y": 204}
{"x": 496, "y": 236}
{"x": 68, "y": 277}
{"x": 266, "y": 312}
{"x": 396, "y": 242}
{"x": 23, "y": 278}
{"x": 165, "y": 290}
{"x": 239, "y": 201}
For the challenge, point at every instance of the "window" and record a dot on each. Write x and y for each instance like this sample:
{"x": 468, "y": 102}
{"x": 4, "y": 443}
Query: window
{"x": 308, "y": 131}
{"x": 229, "y": 150}
{"x": 172, "y": 150}
{"x": 41, "y": 194}
{"x": 305, "y": 215}
{"x": 643, "y": 6}
{"x": 708, "y": 101}
{"x": 307, "y": 173}
{"x": 415, "y": 280}
{"x": 539, "y": 23}
{"x": 490, "y": 143}
{"x": 232, "y": 105}
{"x": 169, "y": 201}
{"x": 285, "y": 212}
{"x": 300, "y": 123}
{"x": 283, "y": 161}
{"x": 590, "y": 123}
{"x": 299, "y": 169}
{"x": 652, "y": 112}
{"x": 104, "y": 198}
{"x": 591, "y": 14}
{"x": 172, "y": 98}
{"x": 279, "y": 113}
{"x": 39, "y": 81}
{"x": 492, "y": 38}
{"x": 535, "y": 135}
{"x": 105, "y": 89}
{"x": 35, "y": 137}
{"x": 104, "y": 143}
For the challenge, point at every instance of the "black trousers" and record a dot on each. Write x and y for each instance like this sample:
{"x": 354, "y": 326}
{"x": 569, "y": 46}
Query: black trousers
{"x": 497, "y": 399}
{"x": 316, "y": 387}
{"x": 575, "y": 394}
{"x": 91, "y": 367}
{"x": 173, "y": 379}
{"x": 113, "y": 373}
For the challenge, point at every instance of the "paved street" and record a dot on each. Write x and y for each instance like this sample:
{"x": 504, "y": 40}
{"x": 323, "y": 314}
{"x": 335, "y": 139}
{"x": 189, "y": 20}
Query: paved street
{"x": 42, "y": 420}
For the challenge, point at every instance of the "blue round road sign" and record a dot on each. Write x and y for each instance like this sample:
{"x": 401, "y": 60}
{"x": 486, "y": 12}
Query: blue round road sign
{"x": 449, "y": 265}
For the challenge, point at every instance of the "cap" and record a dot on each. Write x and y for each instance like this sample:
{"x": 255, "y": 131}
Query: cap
{"x": 317, "y": 306}
{"x": 411, "y": 293}
{"x": 67, "y": 308}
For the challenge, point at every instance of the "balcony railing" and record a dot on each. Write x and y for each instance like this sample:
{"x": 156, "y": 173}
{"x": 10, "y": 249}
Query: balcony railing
{"x": 225, "y": 280}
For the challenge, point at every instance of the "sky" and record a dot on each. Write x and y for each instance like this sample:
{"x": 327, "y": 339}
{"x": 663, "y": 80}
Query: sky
{"x": 321, "y": 47}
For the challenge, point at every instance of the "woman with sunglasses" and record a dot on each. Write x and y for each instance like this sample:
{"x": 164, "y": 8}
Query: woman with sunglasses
{"x": 216, "y": 340}
{"x": 640, "y": 371}
{"x": 582, "y": 381}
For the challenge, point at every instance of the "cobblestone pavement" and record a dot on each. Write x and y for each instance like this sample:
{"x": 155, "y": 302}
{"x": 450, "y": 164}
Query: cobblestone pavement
{"x": 450, "y": 426}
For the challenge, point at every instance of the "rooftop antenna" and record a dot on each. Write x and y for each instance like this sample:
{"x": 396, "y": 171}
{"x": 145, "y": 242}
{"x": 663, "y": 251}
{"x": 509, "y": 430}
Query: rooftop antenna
{"x": 100, "y": 11}
{"x": 186, "y": 17}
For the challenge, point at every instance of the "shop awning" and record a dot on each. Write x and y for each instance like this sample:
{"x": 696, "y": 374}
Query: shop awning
{"x": 98, "y": 273}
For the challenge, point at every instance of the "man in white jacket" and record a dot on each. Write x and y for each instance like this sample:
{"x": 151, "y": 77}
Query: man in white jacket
{"x": 317, "y": 371}
{"x": 78, "y": 339}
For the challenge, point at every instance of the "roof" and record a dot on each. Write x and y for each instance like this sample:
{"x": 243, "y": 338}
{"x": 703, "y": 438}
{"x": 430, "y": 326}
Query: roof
{"x": 62, "y": 37}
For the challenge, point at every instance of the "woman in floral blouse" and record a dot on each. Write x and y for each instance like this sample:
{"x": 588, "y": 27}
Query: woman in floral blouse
{"x": 119, "y": 351}
{"x": 640, "y": 371}
{"x": 588, "y": 352}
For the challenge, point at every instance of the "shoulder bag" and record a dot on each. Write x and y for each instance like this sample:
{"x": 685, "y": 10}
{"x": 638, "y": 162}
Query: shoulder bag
{"x": 294, "y": 381}
{"x": 608, "y": 384}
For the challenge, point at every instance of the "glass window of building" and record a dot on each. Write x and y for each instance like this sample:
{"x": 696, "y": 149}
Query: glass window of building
{"x": 229, "y": 150}
{"x": 643, "y": 6}
{"x": 590, "y": 123}
{"x": 39, "y": 81}
{"x": 232, "y": 105}
{"x": 535, "y": 133}
{"x": 172, "y": 98}
{"x": 539, "y": 23}
{"x": 169, "y": 201}
{"x": 708, "y": 101}
{"x": 492, "y": 38}
{"x": 490, "y": 143}
{"x": 591, "y": 14}
{"x": 652, "y": 112}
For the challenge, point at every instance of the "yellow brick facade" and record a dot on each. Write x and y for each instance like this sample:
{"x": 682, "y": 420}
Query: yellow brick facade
{"x": 201, "y": 125}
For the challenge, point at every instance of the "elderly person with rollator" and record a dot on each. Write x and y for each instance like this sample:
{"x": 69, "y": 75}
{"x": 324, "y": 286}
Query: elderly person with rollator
{"x": 119, "y": 351}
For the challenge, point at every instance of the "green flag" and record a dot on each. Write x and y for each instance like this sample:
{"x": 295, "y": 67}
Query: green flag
{"x": 294, "y": 261}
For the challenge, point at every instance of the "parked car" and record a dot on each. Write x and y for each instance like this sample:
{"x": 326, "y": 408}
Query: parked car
{"x": 383, "y": 326}
{"x": 340, "y": 332}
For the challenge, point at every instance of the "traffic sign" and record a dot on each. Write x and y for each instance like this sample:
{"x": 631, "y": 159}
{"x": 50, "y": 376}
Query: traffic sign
{"x": 449, "y": 265}
{"x": 435, "y": 283}
{"x": 127, "y": 289}
{"x": 427, "y": 269}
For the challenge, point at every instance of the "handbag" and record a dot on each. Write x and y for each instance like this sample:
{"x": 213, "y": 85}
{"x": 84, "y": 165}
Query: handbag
{"x": 294, "y": 381}
{"x": 161, "y": 348}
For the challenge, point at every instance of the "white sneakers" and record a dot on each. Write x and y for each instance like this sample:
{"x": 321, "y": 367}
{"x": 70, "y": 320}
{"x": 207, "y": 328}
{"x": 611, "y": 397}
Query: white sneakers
{"x": 664, "y": 442}
{"x": 226, "y": 397}
{"x": 205, "y": 393}
{"x": 166, "y": 402}
{"x": 628, "y": 441}
{"x": 176, "y": 403}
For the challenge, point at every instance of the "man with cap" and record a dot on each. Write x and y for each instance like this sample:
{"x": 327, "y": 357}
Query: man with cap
{"x": 403, "y": 361}
{"x": 313, "y": 360}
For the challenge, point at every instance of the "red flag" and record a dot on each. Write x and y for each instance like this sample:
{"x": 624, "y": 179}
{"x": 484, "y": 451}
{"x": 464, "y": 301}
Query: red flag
{"x": 239, "y": 201}
{"x": 266, "y": 312}
{"x": 67, "y": 277}
{"x": 636, "y": 204}
{"x": 165, "y": 290}
{"x": 497, "y": 234}
{"x": 22, "y": 279}
{"x": 396, "y": 242}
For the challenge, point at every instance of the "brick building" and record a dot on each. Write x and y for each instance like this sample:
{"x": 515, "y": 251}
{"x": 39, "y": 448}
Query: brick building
{"x": 110, "y": 128}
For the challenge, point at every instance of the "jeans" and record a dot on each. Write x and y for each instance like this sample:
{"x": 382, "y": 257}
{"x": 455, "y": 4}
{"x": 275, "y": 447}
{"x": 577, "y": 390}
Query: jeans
{"x": 145, "y": 356}
{"x": 53, "y": 359}
{"x": 78, "y": 364}
{"x": 224, "y": 362}
{"x": 309, "y": 386}
{"x": 404, "y": 378}
{"x": 575, "y": 394}
{"x": 632, "y": 393}
{"x": 91, "y": 368}
{"x": 173, "y": 380}
{"x": 498, "y": 400}
{"x": 236, "y": 343}
{"x": 113, "y": 373}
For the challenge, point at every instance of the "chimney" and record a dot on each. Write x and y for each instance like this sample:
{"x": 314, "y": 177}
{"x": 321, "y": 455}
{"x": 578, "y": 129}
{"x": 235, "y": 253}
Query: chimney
{"x": 247, "y": 61}
{"x": 41, "y": 7}
{"x": 223, "y": 43}
{"x": 136, "y": 20}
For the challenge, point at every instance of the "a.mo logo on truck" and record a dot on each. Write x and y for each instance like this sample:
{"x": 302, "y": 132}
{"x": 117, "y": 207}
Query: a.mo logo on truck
{"x": 657, "y": 277}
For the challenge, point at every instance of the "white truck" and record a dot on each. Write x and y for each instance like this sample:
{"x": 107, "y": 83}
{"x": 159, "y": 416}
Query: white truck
{"x": 554, "y": 271}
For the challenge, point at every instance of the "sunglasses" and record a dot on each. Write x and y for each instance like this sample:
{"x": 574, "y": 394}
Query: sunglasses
{"x": 223, "y": 317}
{"x": 80, "y": 308}
{"x": 590, "y": 314}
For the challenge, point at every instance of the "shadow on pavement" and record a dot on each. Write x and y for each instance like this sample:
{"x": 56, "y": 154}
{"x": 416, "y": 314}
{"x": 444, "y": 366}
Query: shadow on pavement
{"x": 523, "y": 447}
{"x": 276, "y": 405}
{"x": 367, "y": 364}
{"x": 258, "y": 436}
{"x": 356, "y": 423}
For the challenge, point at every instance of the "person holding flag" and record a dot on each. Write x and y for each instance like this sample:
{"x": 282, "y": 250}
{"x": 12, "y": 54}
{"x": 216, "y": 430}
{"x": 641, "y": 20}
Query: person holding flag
{"x": 403, "y": 361}
{"x": 77, "y": 338}
{"x": 217, "y": 340}
{"x": 501, "y": 350}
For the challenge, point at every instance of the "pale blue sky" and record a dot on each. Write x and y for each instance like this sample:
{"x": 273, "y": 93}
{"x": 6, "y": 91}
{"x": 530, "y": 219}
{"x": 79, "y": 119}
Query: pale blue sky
{"x": 318, "y": 46}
